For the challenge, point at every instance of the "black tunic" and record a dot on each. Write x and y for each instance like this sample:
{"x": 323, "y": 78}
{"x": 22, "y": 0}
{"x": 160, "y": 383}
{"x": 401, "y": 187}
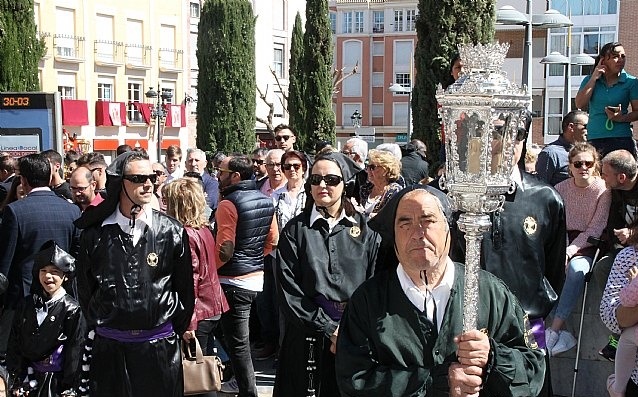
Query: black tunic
{"x": 64, "y": 325}
{"x": 310, "y": 262}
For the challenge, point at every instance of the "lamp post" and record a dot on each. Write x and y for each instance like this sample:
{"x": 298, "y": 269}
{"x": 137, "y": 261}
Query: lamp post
{"x": 158, "y": 113}
{"x": 556, "y": 58}
{"x": 398, "y": 88}
{"x": 356, "y": 121}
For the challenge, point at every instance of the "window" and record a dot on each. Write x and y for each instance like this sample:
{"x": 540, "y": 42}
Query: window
{"x": 134, "y": 95}
{"x": 167, "y": 52}
{"x": 404, "y": 80}
{"x": 351, "y": 54}
{"x": 134, "y": 40}
{"x": 585, "y": 39}
{"x": 410, "y": 21}
{"x": 65, "y": 32}
{"x": 554, "y": 115}
{"x": 585, "y": 7}
{"x": 104, "y": 46}
{"x": 278, "y": 60}
{"x": 398, "y": 21}
{"x": 193, "y": 51}
{"x": 358, "y": 21}
{"x": 168, "y": 87}
{"x": 66, "y": 85}
{"x": 278, "y": 104}
{"x": 347, "y": 109}
{"x": 377, "y": 79}
{"x": 105, "y": 89}
{"x": 195, "y": 9}
{"x": 377, "y": 110}
{"x": 333, "y": 23}
{"x": 347, "y": 22}
{"x": 400, "y": 114}
{"x": 378, "y": 48}
{"x": 378, "y": 21}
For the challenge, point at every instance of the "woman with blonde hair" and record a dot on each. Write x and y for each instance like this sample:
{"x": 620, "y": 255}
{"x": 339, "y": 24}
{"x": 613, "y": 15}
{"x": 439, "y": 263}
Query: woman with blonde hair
{"x": 384, "y": 171}
{"x": 587, "y": 202}
{"x": 185, "y": 201}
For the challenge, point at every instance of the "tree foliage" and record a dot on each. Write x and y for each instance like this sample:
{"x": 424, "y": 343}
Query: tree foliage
{"x": 296, "y": 108}
{"x": 20, "y": 49}
{"x": 319, "y": 122}
{"x": 442, "y": 25}
{"x": 226, "y": 80}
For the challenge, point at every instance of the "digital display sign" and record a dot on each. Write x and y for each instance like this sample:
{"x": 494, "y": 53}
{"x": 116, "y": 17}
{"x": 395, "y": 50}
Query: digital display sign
{"x": 24, "y": 100}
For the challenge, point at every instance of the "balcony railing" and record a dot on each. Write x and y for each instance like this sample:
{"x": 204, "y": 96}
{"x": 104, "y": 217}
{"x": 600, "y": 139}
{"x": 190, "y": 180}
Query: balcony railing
{"x": 47, "y": 39}
{"x": 138, "y": 56}
{"x": 68, "y": 48}
{"x": 108, "y": 52}
{"x": 170, "y": 60}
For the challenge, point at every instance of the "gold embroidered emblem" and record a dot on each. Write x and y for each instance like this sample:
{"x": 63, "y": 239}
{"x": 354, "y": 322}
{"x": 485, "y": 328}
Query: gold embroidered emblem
{"x": 530, "y": 340}
{"x": 530, "y": 226}
{"x": 355, "y": 231}
{"x": 152, "y": 259}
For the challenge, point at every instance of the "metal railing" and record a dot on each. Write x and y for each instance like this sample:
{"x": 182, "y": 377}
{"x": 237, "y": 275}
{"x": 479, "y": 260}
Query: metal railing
{"x": 170, "y": 59}
{"x": 47, "y": 39}
{"x": 109, "y": 51}
{"x": 68, "y": 47}
{"x": 137, "y": 55}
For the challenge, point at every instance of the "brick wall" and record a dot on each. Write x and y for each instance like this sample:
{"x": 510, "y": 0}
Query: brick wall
{"x": 627, "y": 34}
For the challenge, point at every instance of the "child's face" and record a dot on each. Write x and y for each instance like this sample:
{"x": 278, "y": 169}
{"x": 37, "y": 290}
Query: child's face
{"x": 51, "y": 279}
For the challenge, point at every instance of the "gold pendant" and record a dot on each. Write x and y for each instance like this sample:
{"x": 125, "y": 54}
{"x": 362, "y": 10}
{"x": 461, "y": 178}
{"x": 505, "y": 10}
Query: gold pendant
{"x": 152, "y": 259}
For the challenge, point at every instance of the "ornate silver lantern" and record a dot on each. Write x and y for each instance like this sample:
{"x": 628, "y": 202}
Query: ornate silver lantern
{"x": 481, "y": 113}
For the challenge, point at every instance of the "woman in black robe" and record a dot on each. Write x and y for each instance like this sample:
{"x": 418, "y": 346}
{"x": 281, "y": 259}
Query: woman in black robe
{"x": 324, "y": 254}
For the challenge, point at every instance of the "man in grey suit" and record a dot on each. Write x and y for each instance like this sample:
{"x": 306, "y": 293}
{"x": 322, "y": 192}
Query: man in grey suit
{"x": 26, "y": 225}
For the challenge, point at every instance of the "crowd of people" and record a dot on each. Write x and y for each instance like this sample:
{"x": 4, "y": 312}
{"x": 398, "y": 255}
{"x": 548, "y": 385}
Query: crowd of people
{"x": 346, "y": 265}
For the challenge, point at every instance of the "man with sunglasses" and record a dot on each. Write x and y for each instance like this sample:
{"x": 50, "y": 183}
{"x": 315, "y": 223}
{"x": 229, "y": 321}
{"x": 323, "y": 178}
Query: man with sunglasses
{"x": 135, "y": 286}
{"x": 245, "y": 231}
{"x": 552, "y": 165}
{"x": 285, "y": 138}
{"x": 259, "y": 166}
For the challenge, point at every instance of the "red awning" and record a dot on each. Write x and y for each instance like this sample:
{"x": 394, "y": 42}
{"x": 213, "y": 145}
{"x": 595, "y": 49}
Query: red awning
{"x": 105, "y": 144}
{"x": 75, "y": 112}
{"x": 107, "y": 113}
{"x": 168, "y": 142}
{"x": 143, "y": 143}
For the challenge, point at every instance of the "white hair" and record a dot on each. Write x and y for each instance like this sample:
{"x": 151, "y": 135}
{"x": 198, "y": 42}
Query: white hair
{"x": 392, "y": 148}
{"x": 275, "y": 153}
{"x": 360, "y": 147}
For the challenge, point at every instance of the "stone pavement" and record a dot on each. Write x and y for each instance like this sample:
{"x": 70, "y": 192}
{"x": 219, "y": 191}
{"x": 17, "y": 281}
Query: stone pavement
{"x": 265, "y": 374}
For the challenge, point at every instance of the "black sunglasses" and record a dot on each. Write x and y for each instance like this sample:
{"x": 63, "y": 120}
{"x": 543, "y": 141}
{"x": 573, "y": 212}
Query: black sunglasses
{"x": 159, "y": 172}
{"x": 140, "y": 178}
{"x": 279, "y": 138}
{"x": 288, "y": 167}
{"x": 258, "y": 162}
{"x": 330, "y": 179}
{"x": 371, "y": 167}
{"x": 579, "y": 164}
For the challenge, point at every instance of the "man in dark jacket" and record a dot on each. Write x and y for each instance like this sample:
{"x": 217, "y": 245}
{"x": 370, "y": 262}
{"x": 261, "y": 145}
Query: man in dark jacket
{"x": 135, "y": 286}
{"x": 414, "y": 166}
{"x": 246, "y": 231}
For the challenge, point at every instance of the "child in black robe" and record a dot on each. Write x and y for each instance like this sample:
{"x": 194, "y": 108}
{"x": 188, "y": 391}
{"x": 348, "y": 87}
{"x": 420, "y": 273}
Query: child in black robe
{"x": 48, "y": 329}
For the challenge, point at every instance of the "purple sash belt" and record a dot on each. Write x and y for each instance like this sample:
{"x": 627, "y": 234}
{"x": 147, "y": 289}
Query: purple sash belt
{"x": 333, "y": 309}
{"x": 53, "y": 363}
{"x": 136, "y": 335}
{"x": 537, "y": 326}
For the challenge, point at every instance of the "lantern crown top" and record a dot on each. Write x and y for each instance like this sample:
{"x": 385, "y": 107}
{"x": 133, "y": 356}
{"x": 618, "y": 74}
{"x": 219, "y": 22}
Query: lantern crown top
{"x": 479, "y": 56}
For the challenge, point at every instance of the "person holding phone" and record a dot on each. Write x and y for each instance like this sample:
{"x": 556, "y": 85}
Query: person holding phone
{"x": 607, "y": 94}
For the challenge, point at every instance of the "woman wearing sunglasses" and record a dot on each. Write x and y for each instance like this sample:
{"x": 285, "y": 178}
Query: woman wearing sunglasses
{"x": 384, "y": 170}
{"x": 290, "y": 199}
{"x": 587, "y": 203}
{"x": 323, "y": 255}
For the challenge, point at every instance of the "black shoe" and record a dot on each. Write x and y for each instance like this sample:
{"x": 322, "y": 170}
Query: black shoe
{"x": 609, "y": 351}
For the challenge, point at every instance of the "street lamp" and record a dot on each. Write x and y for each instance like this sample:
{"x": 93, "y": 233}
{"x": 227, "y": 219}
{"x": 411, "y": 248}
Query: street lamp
{"x": 159, "y": 113}
{"x": 398, "y": 88}
{"x": 356, "y": 120}
{"x": 556, "y": 58}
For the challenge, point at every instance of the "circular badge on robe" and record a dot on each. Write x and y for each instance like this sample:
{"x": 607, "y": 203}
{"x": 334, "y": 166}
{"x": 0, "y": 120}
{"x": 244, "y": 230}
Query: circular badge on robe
{"x": 530, "y": 226}
{"x": 355, "y": 231}
{"x": 152, "y": 259}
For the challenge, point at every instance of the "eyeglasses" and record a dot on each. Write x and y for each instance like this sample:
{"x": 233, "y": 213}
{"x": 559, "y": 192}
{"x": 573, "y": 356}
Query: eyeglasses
{"x": 280, "y": 138}
{"x": 96, "y": 169}
{"x": 273, "y": 165}
{"x": 79, "y": 189}
{"x": 258, "y": 162}
{"x": 140, "y": 178}
{"x": 371, "y": 167}
{"x": 583, "y": 124}
{"x": 579, "y": 164}
{"x": 347, "y": 152}
{"x": 223, "y": 170}
{"x": 159, "y": 172}
{"x": 330, "y": 179}
{"x": 288, "y": 167}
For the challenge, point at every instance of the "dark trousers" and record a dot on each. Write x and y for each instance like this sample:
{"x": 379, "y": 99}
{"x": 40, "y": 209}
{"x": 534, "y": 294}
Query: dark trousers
{"x": 632, "y": 389}
{"x": 152, "y": 368}
{"x": 267, "y": 307}
{"x": 606, "y": 145}
{"x": 236, "y": 332}
{"x": 206, "y": 336}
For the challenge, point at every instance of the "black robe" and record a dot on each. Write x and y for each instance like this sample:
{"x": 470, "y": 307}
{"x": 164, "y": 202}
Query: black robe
{"x": 63, "y": 325}
{"x": 311, "y": 262}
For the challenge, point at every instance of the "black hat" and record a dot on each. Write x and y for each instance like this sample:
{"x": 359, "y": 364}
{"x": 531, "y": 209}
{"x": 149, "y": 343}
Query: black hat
{"x": 114, "y": 173}
{"x": 52, "y": 254}
{"x": 346, "y": 164}
{"x": 383, "y": 222}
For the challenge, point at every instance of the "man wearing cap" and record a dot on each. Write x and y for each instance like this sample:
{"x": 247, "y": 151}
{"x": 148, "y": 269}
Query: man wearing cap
{"x": 135, "y": 286}
{"x": 402, "y": 331}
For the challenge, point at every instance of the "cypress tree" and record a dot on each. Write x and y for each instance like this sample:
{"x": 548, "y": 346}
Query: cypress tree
{"x": 20, "y": 49}
{"x": 296, "y": 110}
{"x": 320, "y": 118}
{"x": 442, "y": 25}
{"x": 226, "y": 82}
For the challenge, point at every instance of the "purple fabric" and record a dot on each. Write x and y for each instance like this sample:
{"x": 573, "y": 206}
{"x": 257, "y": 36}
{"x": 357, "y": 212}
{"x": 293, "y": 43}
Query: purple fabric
{"x": 537, "y": 326}
{"x": 53, "y": 363}
{"x": 136, "y": 335}
{"x": 333, "y": 309}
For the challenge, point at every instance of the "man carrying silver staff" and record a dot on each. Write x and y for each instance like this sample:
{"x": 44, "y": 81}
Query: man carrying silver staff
{"x": 402, "y": 331}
